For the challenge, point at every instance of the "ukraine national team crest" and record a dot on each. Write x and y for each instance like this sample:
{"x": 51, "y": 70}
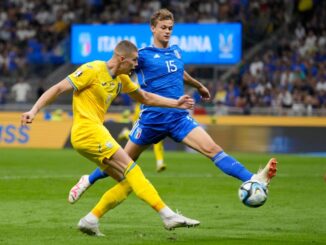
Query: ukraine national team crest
{"x": 226, "y": 45}
{"x": 85, "y": 44}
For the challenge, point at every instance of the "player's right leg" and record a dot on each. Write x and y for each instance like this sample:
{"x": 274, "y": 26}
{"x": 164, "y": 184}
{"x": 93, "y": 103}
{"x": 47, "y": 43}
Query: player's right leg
{"x": 198, "y": 139}
{"x": 76, "y": 192}
{"x": 87, "y": 181}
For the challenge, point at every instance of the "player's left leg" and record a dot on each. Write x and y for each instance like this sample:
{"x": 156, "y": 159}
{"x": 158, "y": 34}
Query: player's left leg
{"x": 200, "y": 140}
{"x": 159, "y": 155}
{"x": 122, "y": 167}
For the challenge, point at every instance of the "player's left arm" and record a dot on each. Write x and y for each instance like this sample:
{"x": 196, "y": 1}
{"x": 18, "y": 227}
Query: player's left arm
{"x": 147, "y": 98}
{"x": 203, "y": 91}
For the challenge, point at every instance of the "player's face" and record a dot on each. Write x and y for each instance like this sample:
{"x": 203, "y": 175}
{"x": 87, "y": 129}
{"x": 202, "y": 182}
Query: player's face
{"x": 128, "y": 63}
{"x": 162, "y": 31}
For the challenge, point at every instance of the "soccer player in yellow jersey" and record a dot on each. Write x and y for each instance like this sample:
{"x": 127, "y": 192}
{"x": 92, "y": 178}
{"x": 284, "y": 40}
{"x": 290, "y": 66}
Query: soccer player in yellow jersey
{"x": 158, "y": 148}
{"x": 95, "y": 85}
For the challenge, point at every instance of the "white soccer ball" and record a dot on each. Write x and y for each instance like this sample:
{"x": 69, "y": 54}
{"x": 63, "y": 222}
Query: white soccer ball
{"x": 253, "y": 193}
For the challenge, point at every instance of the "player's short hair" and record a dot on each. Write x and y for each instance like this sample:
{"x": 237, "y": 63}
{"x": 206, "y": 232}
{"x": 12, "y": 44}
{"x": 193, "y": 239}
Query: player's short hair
{"x": 159, "y": 15}
{"x": 125, "y": 47}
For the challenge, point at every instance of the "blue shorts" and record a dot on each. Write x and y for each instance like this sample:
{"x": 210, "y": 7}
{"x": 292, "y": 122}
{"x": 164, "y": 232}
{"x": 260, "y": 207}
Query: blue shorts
{"x": 142, "y": 134}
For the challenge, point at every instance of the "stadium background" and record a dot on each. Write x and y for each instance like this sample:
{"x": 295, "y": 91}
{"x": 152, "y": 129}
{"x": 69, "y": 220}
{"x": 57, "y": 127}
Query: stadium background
{"x": 271, "y": 101}
{"x": 279, "y": 73}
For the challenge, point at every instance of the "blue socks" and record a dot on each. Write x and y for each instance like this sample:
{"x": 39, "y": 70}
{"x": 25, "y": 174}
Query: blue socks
{"x": 231, "y": 166}
{"x": 96, "y": 175}
{"x": 223, "y": 161}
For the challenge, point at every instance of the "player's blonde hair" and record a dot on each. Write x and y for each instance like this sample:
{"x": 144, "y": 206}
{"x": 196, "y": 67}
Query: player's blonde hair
{"x": 125, "y": 47}
{"x": 159, "y": 15}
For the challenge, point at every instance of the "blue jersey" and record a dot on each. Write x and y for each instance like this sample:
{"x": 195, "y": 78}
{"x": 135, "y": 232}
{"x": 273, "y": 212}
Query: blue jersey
{"x": 160, "y": 71}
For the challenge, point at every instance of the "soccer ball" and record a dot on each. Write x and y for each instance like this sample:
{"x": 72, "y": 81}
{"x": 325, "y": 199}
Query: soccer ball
{"x": 253, "y": 193}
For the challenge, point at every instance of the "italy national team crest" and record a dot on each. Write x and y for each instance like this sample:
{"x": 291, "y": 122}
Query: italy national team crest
{"x": 138, "y": 133}
{"x": 85, "y": 44}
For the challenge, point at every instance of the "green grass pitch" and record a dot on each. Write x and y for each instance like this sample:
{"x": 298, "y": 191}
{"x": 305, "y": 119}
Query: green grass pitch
{"x": 34, "y": 185}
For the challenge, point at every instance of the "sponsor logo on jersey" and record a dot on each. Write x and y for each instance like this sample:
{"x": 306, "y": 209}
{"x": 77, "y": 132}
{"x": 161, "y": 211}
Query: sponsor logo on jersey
{"x": 157, "y": 56}
{"x": 78, "y": 73}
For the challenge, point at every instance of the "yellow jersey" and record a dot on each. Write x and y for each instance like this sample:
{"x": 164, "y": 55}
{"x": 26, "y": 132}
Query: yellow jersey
{"x": 94, "y": 91}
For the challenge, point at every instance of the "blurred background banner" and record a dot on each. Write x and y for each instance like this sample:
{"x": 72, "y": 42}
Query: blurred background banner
{"x": 201, "y": 43}
{"x": 258, "y": 134}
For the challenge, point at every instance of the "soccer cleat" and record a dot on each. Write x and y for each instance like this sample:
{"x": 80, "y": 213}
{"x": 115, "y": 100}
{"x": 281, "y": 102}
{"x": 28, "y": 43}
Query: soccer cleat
{"x": 89, "y": 228}
{"x": 266, "y": 174}
{"x": 160, "y": 167}
{"x": 178, "y": 220}
{"x": 124, "y": 134}
{"x": 78, "y": 190}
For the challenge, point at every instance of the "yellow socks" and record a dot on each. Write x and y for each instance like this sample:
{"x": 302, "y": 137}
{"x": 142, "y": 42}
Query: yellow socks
{"x": 134, "y": 180}
{"x": 142, "y": 187}
{"x": 159, "y": 151}
{"x": 112, "y": 198}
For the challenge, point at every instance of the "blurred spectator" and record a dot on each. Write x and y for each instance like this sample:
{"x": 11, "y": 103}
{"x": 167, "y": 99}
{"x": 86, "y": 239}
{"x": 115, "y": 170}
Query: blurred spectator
{"x": 21, "y": 91}
{"x": 3, "y": 93}
{"x": 40, "y": 89}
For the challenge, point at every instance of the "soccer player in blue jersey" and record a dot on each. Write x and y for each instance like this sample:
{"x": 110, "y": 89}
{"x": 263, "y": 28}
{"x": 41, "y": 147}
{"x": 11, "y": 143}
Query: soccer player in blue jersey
{"x": 161, "y": 71}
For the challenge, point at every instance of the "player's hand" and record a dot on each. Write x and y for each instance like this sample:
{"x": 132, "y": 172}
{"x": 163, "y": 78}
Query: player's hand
{"x": 204, "y": 92}
{"x": 186, "y": 102}
{"x": 27, "y": 118}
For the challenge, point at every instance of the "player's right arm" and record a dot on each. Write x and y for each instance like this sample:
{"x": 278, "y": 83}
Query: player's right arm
{"x": 147, "y": 98}
{"x": 47, "y": 98}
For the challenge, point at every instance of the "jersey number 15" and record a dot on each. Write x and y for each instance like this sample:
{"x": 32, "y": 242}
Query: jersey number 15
{"x": 171, "y": 66}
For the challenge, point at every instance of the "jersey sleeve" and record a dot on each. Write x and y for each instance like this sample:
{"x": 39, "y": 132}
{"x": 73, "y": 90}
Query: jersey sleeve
{"x": 128, "y": 86}
{"x": 82, "y": 77}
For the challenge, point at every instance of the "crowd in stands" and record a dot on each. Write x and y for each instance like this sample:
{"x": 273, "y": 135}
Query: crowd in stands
{"x": 289, "y": 73}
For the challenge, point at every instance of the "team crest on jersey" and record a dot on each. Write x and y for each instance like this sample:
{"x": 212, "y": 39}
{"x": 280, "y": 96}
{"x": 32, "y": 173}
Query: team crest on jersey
{"x": 78, "y": 73}
{"x": 109, "y": 144}
{"x": 177, "y": 54}
{"x": 138, "y": 133}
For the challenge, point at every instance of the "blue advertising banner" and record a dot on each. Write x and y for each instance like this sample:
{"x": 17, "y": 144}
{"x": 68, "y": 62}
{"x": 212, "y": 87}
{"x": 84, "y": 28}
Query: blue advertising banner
{"x": 201, "y": 43}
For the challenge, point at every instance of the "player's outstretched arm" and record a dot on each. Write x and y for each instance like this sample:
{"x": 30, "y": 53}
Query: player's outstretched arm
{"x": 203, "y": 91}
{"x": 184, "y": 102}
{"x": 47, "y": 98}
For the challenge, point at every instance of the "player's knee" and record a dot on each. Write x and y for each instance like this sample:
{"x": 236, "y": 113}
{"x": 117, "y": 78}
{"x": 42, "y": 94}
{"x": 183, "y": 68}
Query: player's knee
{"x": 126, "y": 193}
{"x": 210, "y": 150}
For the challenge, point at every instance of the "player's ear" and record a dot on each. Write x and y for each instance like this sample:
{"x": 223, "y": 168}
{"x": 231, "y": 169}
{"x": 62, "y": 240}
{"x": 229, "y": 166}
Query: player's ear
{"x": 152, "y": 28}
{"x": 122, "y": 58}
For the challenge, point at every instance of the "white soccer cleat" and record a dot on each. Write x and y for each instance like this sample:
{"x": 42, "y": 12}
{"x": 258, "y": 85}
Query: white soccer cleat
{"x": 89, "y": 228}
{"x": 77, "y": 190}
{"x": 160, "y": 167}
{"x": 266, "y": 174}
{"x": 178, "y": 220}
